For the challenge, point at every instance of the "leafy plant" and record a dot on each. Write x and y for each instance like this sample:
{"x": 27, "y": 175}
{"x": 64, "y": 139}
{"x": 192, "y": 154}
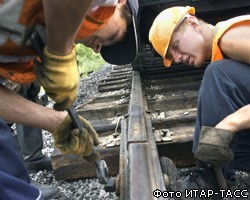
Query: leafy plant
{"x": 87, "y": 60}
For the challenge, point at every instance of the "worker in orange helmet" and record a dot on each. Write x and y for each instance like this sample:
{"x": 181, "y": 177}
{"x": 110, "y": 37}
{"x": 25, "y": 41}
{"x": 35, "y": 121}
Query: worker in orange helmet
{"x": 106, "y": 26}
{"x": 222, "y": 127}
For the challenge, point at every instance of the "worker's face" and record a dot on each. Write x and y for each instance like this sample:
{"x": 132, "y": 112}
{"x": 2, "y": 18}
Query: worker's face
{"x": 113, "y": 32}
{"x": 187, "y": 45}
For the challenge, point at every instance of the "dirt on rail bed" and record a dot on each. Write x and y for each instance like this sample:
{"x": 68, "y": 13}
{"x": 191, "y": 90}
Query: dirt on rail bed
{"x": 91, "y": 189}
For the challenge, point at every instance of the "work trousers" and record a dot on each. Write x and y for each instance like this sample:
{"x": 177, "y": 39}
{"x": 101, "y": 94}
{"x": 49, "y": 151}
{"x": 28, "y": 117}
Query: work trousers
{"x": 29, "y": 138}
{"x": 224, "y": 89}
{"x": 14, "y": 179}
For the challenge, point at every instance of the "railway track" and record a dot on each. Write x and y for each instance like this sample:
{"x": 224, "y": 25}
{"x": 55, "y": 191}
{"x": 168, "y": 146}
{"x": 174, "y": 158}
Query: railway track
{"x": 139, "y": 116}
{"x": 144, "y": 112}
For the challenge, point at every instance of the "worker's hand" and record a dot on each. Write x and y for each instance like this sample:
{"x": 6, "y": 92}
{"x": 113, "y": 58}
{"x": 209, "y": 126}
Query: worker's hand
{"x": 69, "y": 140}
{"x": 59, "y": 77}
{"x": 213, "y": 147}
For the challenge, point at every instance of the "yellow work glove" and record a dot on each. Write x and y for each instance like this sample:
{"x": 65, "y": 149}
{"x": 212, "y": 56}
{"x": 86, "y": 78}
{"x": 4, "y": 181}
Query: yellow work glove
{"x": 69, "y": 140}
{"x": 59, "y": 77}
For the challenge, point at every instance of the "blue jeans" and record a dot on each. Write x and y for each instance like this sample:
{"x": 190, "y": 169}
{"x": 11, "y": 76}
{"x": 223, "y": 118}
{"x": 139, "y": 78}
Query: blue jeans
{"x": 14, "y": 179}
{"x": 224, "y": 89}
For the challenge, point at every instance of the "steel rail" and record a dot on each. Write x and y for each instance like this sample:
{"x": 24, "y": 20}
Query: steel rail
{"x": 140, "y": 172}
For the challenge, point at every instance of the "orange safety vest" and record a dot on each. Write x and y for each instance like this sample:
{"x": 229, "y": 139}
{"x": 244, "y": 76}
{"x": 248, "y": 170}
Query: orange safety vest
{"x": 220, "y": 28}
{"x": 16, "y": 52}
{"x": 95, "y": 21}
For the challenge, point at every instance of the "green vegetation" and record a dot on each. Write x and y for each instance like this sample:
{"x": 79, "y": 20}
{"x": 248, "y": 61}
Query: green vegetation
{"x": 87, "y": 59}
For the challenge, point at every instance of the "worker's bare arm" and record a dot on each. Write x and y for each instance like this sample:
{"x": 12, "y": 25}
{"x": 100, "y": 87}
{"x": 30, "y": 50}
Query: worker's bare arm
{"x": 15, "y": 108}
{"x": 235, "y": 43}
{"x": 63, "y": 19}
{"x": 237, "y": 121}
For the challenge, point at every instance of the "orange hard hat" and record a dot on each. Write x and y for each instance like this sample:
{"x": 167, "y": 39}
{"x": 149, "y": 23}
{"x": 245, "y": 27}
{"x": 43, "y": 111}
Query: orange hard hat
{"x": 163, "y": 27}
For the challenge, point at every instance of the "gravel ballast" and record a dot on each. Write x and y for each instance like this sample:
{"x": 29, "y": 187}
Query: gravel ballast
{"x": 91, "y": 189}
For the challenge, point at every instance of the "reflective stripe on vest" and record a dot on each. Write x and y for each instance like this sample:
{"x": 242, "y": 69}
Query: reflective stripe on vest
{"x": 18, "y": 19}
{"x": 9, "y": 22}
{"x": 95, "y": 21}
